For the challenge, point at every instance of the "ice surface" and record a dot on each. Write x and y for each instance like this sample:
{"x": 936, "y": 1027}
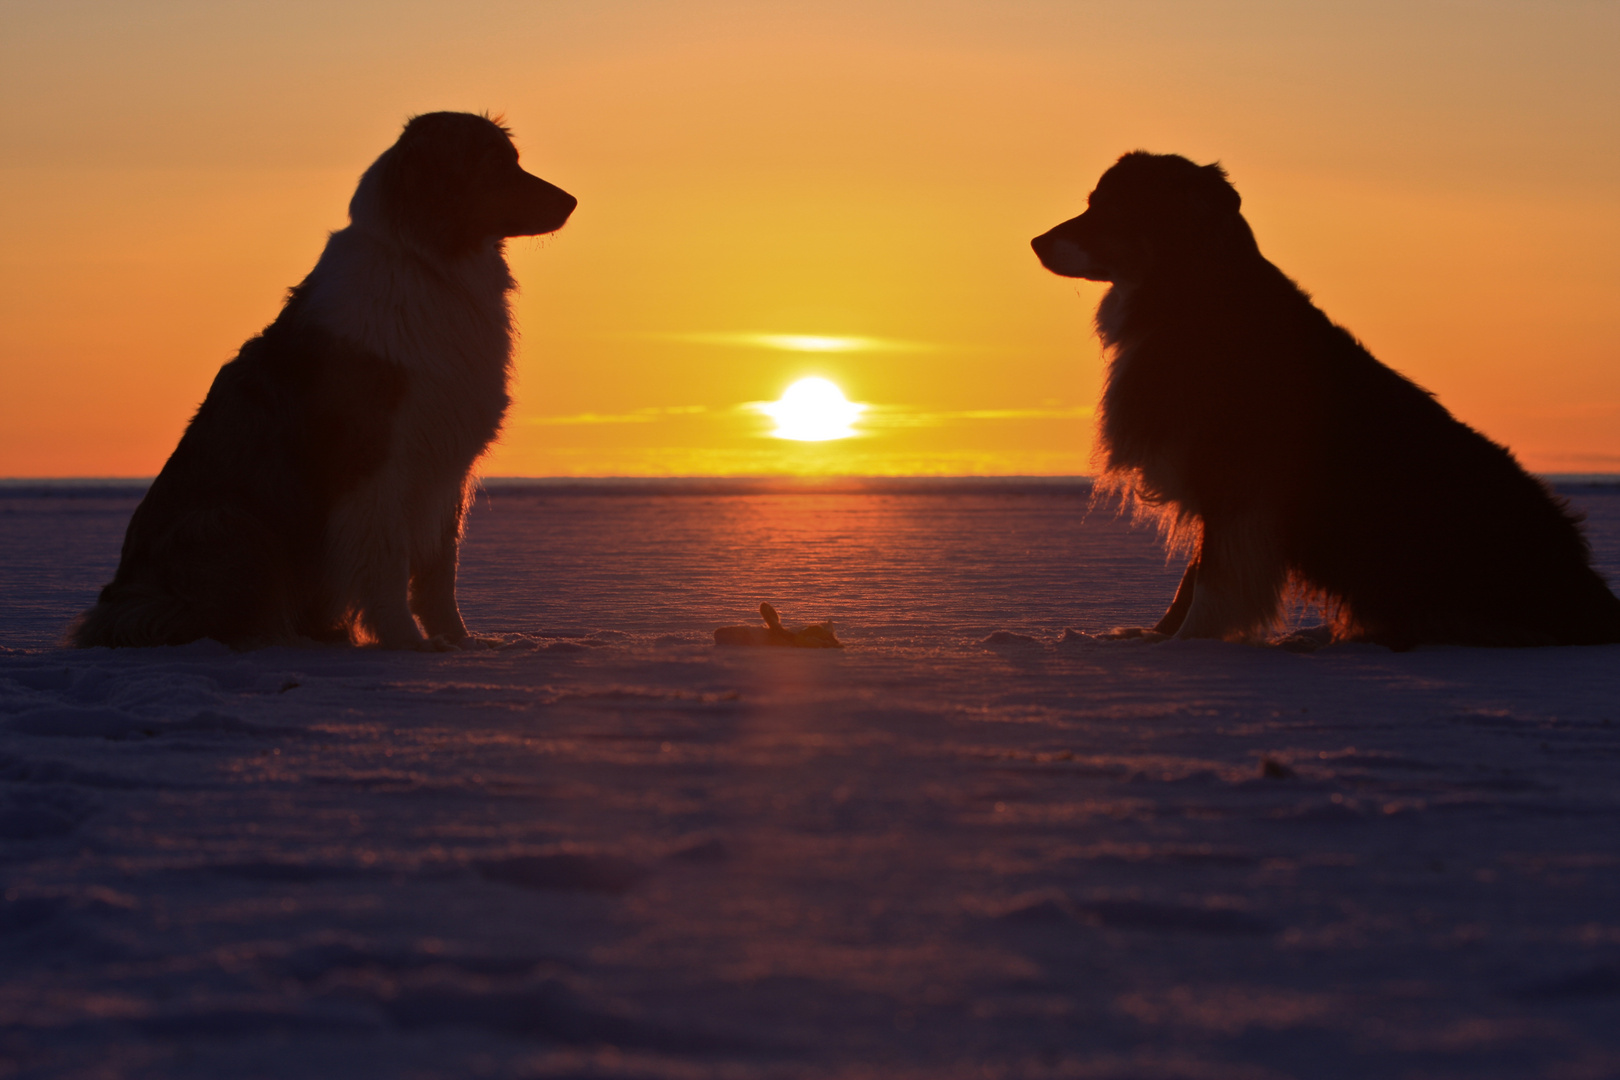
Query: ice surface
{"x": 966, "y": 846}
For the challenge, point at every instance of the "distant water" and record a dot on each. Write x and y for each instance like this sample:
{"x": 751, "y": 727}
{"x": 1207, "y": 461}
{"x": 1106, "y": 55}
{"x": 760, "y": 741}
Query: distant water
{"x": 912, "y": 563}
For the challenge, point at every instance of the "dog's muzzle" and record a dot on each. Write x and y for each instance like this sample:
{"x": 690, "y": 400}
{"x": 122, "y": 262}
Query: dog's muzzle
{"x": 1063, "y": 256}
{"x": 543, "y": 208}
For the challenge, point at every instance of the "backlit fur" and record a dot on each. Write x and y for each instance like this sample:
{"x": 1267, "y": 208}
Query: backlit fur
{"x": 318, "y": 492}
{"x": 1282, "y": 456}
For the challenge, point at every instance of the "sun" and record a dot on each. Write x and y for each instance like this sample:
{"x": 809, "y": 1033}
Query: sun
{"x": 813, "y": 410}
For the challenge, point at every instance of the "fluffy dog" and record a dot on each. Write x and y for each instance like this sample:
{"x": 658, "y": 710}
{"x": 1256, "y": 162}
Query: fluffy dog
{"x": 318, "y": 492}
{"x": 1278, "y": 451}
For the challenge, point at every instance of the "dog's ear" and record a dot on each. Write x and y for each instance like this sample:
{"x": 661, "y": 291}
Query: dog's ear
{"x": 421, "y": 183}
{"x": 1223, "y": 197}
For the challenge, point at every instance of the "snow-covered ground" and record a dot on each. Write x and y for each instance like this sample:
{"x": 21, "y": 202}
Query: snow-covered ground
{"x": 609, "y": 849}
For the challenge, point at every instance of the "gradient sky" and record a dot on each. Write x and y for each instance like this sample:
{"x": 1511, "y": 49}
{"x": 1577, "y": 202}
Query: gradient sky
{"x": 1443, "y": 177}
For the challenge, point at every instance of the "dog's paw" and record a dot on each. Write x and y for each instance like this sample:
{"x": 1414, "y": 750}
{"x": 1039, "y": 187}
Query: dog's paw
{"x": 439, "y": 643}
{"x": 1305, "y": 640}
{"x": 1132, "y": 633}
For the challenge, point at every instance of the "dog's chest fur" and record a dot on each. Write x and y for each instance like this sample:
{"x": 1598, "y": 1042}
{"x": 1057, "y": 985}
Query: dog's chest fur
{"x": 447, "y": 327}
{"x": 1130, "y": 446}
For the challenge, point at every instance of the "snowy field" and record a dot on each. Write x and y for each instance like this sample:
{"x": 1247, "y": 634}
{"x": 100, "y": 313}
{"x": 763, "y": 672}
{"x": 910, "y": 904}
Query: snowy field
{"x": 609, "y": 849}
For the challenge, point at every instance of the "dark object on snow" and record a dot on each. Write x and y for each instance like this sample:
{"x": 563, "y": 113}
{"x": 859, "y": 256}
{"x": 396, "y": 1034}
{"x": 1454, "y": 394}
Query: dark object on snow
{"x": 814, "y": 636}
{"x": 1272, "y": 769}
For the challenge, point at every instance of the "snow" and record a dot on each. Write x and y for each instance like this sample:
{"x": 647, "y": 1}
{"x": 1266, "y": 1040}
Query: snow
{"x": 964, "y": 846}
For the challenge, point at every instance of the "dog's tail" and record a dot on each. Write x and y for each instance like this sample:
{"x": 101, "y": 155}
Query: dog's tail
{"x": 136, "y": 616}
{"x": 215, "y": 574}
{"x": 1597, "y": 620}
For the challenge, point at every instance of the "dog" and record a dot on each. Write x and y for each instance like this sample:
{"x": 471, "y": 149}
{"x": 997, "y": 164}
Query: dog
{"x": 1273, "y": 447}
{"x": 319, "y": 491}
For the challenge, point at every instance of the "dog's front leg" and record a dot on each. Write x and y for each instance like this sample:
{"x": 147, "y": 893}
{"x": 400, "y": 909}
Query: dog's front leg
{"x": 370, "y": 571}
{"x": 1237, "y": 588}
{"x": 433, "y": 593}
{"x": 384, "y": 609}
{"x": 1168, "y": 623}
{"x": 1173, "y": 618}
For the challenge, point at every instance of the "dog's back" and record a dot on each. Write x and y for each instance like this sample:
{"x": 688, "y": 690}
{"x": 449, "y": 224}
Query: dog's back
{"x": 227, "y": 543}
{"x": 1430, "y": 532}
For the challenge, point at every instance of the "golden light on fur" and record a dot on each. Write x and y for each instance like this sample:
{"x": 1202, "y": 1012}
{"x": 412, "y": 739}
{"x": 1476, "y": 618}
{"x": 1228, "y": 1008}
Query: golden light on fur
{"x": 813, "y": 410}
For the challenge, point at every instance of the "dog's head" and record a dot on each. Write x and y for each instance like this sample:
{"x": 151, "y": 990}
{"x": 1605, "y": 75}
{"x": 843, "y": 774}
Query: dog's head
{"x": 452, "y": 184}
{"x": 1149, "y": 209}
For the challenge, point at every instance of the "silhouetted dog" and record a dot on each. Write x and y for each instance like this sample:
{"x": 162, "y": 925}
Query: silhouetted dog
{"x": 320, "y": 488}
{"x": 1277, "y": 449}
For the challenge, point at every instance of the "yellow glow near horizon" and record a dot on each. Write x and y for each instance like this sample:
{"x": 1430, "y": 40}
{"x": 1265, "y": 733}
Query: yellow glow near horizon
{"x": 813, "y": 410}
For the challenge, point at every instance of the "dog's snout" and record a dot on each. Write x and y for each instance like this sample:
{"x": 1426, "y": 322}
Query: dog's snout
{"x": 545, "y": 208}
{"x": 1061, "y": 255}
{"x": 562, "y": 204}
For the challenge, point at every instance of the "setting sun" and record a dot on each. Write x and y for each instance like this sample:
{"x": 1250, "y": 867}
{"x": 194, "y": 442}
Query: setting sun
{"x": 813, "y": 410}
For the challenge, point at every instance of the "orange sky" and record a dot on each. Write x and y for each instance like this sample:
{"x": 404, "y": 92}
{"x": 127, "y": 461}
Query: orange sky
{"x": 1443, "y": 177}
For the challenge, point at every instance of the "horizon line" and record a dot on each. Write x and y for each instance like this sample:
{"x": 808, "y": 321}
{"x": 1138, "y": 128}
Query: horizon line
{"x": 543, "y": 478}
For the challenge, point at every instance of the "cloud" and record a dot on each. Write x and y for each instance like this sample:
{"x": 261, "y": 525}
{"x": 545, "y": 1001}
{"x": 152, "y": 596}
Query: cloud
{"x": 639, "y": 416}
{"x": 805, "y": 343}
{"x": 898, "y": 416}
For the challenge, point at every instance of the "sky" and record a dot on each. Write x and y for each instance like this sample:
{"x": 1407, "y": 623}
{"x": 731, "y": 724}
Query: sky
{"x": 1443, "y": 177}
